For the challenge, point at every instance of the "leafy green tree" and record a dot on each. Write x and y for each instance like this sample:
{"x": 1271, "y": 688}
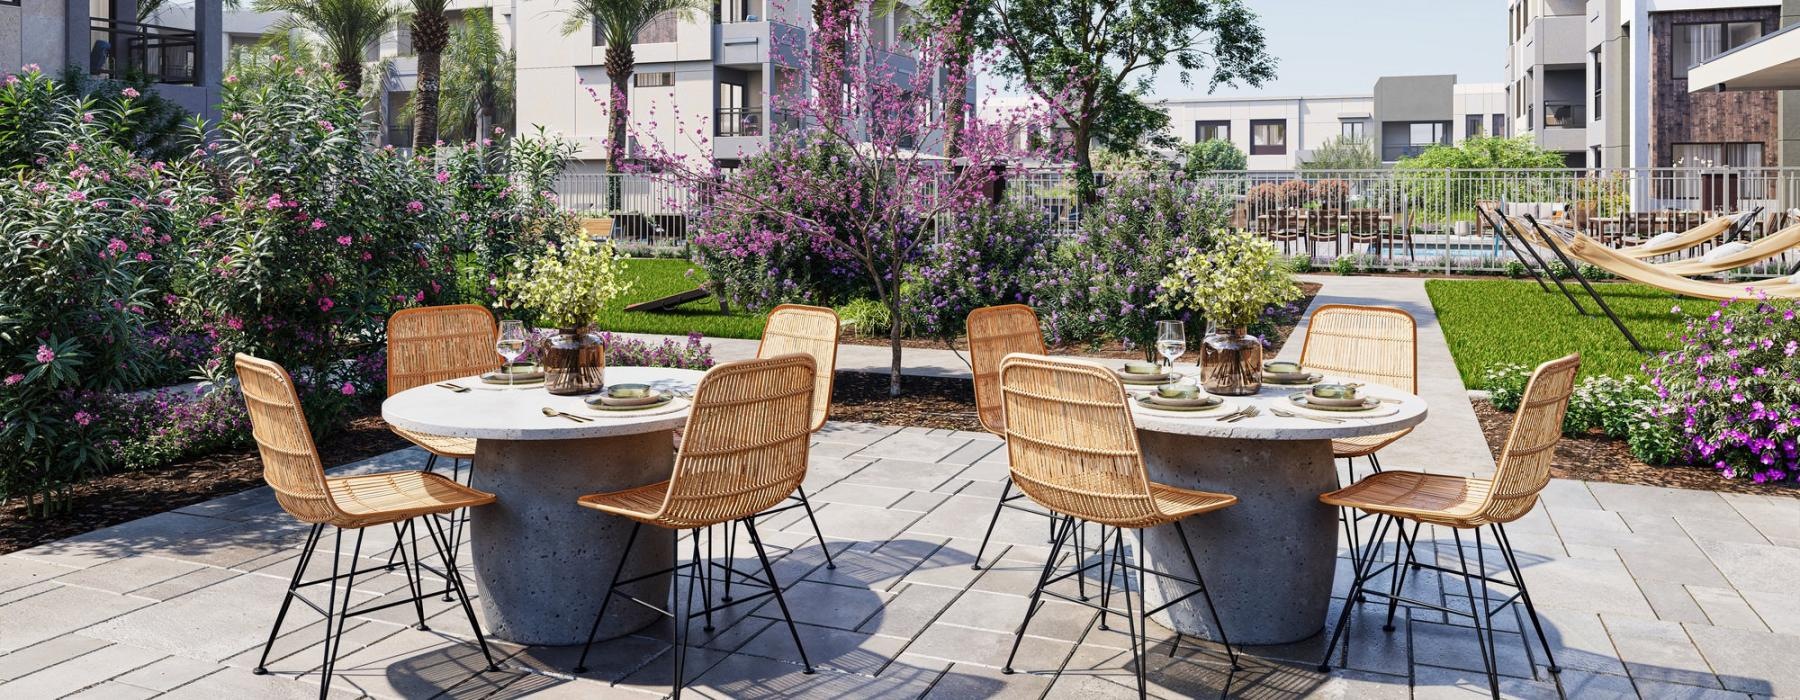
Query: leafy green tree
{"x": 1485, "y": 152}
{"x": 430, "y": 36}
{"x": 1092, "y": 60}
{"x": 346, "y": 27}
{"x": 1108, "y": 160}
{"x": 1343, "y": 153}
{"x": 1455, "y": 177}
{"x": 1213, "y": 155}
{"x": 478, "y": 79}
{"x": 618, "y": 23}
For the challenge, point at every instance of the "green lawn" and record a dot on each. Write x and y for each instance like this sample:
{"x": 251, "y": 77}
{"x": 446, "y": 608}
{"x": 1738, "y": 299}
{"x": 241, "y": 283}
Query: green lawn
{"x": 653, "y": 278}
{"x": 1490, "y": 322}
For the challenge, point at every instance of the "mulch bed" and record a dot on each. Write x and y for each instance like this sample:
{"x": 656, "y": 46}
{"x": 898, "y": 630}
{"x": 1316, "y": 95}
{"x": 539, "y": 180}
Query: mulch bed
{"x": 117, "y": 498}
{"x": 1596, "y": 457}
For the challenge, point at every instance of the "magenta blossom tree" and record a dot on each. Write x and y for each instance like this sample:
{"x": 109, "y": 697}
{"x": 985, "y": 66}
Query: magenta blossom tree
{"x": 859, "y": 183}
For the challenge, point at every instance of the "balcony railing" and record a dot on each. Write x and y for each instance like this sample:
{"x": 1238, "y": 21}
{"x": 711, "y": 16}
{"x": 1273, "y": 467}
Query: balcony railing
{"x": 740, "y": 121}
{"x": 123, "y": 49}
{"x": 736, "y": 11}
{"x": 1565, "y": 115}
{"x": 1393, "y": 152}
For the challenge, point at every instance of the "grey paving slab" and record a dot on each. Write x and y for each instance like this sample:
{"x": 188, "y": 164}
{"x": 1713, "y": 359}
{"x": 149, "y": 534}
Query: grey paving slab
{"x": 835, "y": 649}
{"x": 1659, "y": 650}
{"x": 1724, "y": 607}
{"x": 915, "y": 447}
{"x": 18, "y": 572}
{"x": 169, "y": 673}
{"x": 129, "y": 573}
{"x": 1672, "y": 602}
{"x": 213, "y": 624}
{"x": 44, "y": 654}
{"x": 58, "y": 612}
{"x": 1754, "y": 567}
{"x": 90, "y": 669}
{"x": 113, "y": 690}
{"x": 1742, "y": 659}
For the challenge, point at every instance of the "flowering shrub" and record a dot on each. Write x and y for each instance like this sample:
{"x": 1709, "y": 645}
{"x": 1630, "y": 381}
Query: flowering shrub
{"x": 568, "y": 285}
{"x": 1103, "y": 284}
{"x": 504, "y": 201}
{"x": 631, "y": 352}
{"x": 1506, "y": 385}
{"x": 981, "y": 258}
{"x": 155, "y": 428}
{"x": 1732, "y": 389}
{"x": 1232, "y": 282}
{"x": 1611, "y": 405}
{"x": 1331, "y": 193}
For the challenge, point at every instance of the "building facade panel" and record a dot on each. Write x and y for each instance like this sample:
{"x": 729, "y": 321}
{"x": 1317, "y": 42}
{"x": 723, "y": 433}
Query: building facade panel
{"x": 1687, "y": 122}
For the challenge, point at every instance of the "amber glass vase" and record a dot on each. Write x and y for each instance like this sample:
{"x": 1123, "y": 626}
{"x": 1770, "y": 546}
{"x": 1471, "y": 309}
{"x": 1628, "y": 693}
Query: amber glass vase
{"x": 574, "y": 363}
{"x": 1231, "y": 362}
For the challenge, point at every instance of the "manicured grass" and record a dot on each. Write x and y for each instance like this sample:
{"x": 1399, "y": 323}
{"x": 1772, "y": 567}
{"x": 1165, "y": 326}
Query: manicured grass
{"x": 1490, "y": 322}
{"x": 654, "y": 278}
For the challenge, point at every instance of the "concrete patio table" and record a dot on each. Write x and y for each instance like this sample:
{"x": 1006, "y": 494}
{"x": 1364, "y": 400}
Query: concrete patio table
{"x": 1270, "y": 558}
{"x": 542, "y": 561}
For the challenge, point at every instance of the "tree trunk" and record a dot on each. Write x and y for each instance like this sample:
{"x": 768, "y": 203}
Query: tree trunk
{"x": 956, "y": 59}
{"x": 484, "y": 111}
{"x": 619, "y": 64}
{"x": 1085, "y": 190}
{"x": 431, "y": 35}
{"x": 894, "y": 328}
{"x": 350, "y": 73}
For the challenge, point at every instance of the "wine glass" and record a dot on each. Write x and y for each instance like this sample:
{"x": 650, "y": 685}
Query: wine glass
{"x": 1171, "y": 342}
{"x": 510, "y": 345}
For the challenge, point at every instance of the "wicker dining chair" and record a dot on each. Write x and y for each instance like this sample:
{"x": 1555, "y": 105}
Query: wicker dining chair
{"x": 1074, "y": 450}
{"x": 292, "y": 468}
{"x": 995, "y": 332}
{"x": 811, "y": 331}
{"x": 1465, "y": 503}
{"x": 745, "y": 450}
{"x": 432, "y": 344}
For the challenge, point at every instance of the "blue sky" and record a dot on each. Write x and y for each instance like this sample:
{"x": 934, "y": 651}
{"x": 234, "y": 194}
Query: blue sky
{"x": 1342, "y": 46}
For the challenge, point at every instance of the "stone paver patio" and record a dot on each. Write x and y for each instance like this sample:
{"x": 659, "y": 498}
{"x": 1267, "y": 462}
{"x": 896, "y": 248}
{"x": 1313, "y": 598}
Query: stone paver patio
{"x": 1645, "y": 591}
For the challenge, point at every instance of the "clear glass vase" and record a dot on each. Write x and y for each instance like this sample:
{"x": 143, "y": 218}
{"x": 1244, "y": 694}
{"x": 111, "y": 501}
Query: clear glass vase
{"x": 574, "y": 363}
{"x": 1231, "y": 362}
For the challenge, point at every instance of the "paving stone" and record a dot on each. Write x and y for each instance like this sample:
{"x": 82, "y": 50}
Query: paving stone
{"x": 1002, "y": 613}
{"x": 112, "y": 690}
{"x": 957, "y": 644}
{"x": 255, "y": 502}
{"x": 75, "y": 674}
{"x": 972, "y": 451}
{"x": 1658, "y": 650}
{"x": 1450, "y": 646}
{"x": 1582, "y": 584}
{"x": 167, "y": 532}
{"x": 967, "y": 516}
{"x": 1777, "y": 519}
{"x": 19, "y": 572}
{"x": 45, "y": 654}
{"x": 413, "y": 664}
{"x": 1435, "y": 682}
{"x": 1725, "y": 608}
{"x": 169, "y": 673}
{"x": 241, "y": 683}
{"x": 129, "y": 574}
{"x": 213, "y": 623}
{"x": 749, "y": 677}
{"x": 1683, "y": 564}
{"x": 609, "y": 661}
{"x": 913, "y": 447}
{"x": 60, "y": 611}
{"x": 1580, "y": 642}
{"x": 877, "y": 565}
{"x": 859, "y": 494}
{"x": 1656, "y": 499}
{"x": 961, "y": 681}
{"x": 828, "y": 605}
{"x": 853, "y": 522}
{"x": 823, "y": 471}
{"x": 841, "y": 650}
{"x": 987, "y": 475}
{"x": 1777, "y": 610}
{"x": 1754, "y": 567}
{"x": 1747, "y": 661}
{"x": 185, "y": 583}
{"x": 1730, "y": 530}
{"x": 655, "y": 675}
{"x": 901, "y": 473}
{"x": 913, "y": 608}
{"x": 920, "y": 501}
{"x": 856, "y": 433}
{"x": 1672, "y": 602}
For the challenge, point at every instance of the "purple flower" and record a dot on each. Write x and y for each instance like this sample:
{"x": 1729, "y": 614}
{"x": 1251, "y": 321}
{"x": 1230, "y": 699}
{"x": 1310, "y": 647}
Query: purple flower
{"x": 348, "y": 389}
{"x": 83, "y": 418}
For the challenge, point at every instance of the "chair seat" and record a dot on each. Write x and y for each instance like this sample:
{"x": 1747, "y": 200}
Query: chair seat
{"x": 1172, "y": 503}
{"x": 376, "y": 499}
{"x": 1178, "y": 503}
{"x": 440, "y": 445}
{"x": 1443, "y": 500}
{"x": 1365, "y": 445}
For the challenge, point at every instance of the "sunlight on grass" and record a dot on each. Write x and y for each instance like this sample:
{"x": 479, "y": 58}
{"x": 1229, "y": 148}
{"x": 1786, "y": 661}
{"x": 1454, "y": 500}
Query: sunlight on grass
{"x": 654, "y": 278}
{"x": 1490, "y": 322}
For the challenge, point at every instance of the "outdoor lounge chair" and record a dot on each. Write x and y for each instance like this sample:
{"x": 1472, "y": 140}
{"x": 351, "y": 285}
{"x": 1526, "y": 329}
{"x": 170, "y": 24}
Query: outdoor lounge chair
{"x": 1762, "y": 249}
{"x": 1593, "y": 253}
{"x": 1692, "y": 237}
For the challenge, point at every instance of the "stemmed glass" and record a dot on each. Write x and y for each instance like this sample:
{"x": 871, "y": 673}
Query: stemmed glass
{"x": 510, "y": 345}
{"x": 1171, "y": 342}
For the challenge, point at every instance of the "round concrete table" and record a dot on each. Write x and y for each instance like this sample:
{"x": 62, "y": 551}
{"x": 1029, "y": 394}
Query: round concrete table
{"x": 543, "y": 562}
{"x": 1270, "y": 558}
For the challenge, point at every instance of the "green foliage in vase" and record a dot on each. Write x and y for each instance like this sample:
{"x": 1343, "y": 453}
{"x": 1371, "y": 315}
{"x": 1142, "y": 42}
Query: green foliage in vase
{"x": 569, "y": 285}
{"x": 1231, "y": 282}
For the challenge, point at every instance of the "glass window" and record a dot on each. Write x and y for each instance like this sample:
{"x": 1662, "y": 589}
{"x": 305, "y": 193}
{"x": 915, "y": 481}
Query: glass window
{"x": 1471, "y": 126}
{"x": 1354, "y": 128}
{"x": 1695, "y": 44}
{"x": 646, "y": 80}
{"x": 1596, "y": 76}
{"x": 1499, "y": 125}
{"x": 1717, "y": 155}
{"x": 1427, "y": 133}
{"x": 1268, "y": 137}
{"x": 1212, "y": 130}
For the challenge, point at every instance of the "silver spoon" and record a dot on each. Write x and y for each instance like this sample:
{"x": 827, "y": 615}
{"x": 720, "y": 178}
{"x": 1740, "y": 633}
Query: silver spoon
{"x": 553, "y": 413}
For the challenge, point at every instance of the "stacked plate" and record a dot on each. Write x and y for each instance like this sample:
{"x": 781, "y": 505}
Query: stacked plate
{"x": 516, "y": 374}
{"x": 629, "y": 397}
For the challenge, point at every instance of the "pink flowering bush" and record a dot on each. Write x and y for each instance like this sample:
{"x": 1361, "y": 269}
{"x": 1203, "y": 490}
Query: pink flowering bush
{"x": 1732, "y": 390}
{"x": 983, "y": 257}
{"x": 505, "y": 204}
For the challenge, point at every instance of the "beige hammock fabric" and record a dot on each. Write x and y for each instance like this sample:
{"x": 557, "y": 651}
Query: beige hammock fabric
{"x": 1762, "y": 249}
{"x": 1592, "y": 252}
{"x": 1687, "y": 239}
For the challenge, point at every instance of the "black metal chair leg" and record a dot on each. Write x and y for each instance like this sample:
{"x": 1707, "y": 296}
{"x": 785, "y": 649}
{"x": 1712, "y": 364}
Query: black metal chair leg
{"x": 1206, "y": 594}
{"x": 1469, "y": 589}
{"x": 306, "y": 551}
{"x": 678, "y": 614}
{"x": 334, "y": 639}
{"x": 1081, "y": 560}
{"x": 1037, "y": 593}
{"x": 1518, "y": 576}
{"x": 800, "y": 492}
{"x": 462, "y": 596}
{"x": 1005, "y": 490}
{"x": 1106, "y": 575}
{"x": 1398, "y": 582}
{"x": 730, "y": 557}
{"x": 1358, "y": 580}
{"x": 775, "y": 587}
{"x": 606, "y": 598}
{"x": 413, "y": 585}
{"x": 1136, "y": 621}
{"x": 703, "y": 573}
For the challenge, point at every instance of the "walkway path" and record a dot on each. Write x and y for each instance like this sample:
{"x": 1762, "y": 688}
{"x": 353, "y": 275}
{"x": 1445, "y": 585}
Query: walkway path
{"x": 1646, "y": 591}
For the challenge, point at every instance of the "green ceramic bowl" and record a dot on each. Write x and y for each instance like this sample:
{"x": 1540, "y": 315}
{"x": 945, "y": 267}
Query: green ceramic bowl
{"x": 1142, "y": 368}
{"x": 1178, "y": 391}
{"x": 628, "y": 391}
{"x": 1334, "y": 391}
{"x": 1282, "y": 367}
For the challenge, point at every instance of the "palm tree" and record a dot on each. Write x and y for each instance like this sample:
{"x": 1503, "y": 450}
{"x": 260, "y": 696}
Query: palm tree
{"x": 346, "y": 27}
{"x": 478, "y": 78}
{"x": 618, "y": 22}
{"x": 430, "y": 34}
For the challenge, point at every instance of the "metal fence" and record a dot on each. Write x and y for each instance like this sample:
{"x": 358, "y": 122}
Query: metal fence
{"x": 1389, "y": 218}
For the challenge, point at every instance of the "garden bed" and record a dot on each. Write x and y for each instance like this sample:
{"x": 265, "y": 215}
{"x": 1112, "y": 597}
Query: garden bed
{"x": 125, "y": 496}
{"x": 1596, "y": 457}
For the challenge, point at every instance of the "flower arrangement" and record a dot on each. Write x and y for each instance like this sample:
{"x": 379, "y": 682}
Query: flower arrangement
{"x": 568, "y": 285}
{"x": 1732, "y": 389}
{"x": 1231, "y": 283}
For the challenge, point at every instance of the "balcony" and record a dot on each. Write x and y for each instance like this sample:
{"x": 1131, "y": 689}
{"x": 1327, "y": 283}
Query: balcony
{"x": 739, "y": 121}
{"x": 1394, "y": 152}
{"x": 123, "y": 49}
{"x": 1565, "y": 115}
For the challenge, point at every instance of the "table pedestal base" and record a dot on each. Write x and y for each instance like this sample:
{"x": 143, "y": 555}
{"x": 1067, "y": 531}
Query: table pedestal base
{"x": 542, "y": 561}
{"x": 1268, "y": 560}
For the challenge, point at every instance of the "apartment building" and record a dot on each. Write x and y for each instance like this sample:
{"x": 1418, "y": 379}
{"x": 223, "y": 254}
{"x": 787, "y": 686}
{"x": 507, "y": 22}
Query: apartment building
{"x": 1605, "y": 82}
{"x": 105, "y": 37}
{"x": 1402, "y": 116}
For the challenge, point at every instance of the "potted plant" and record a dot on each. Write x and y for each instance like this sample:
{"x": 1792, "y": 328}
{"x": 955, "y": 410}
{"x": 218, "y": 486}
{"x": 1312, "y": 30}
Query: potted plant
{"x": 1231, "y": 284}
{"x": 566, "y": 288}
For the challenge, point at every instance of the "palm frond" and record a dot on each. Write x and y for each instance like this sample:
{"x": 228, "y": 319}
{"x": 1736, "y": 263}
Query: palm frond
{"x": 620, "y": 20}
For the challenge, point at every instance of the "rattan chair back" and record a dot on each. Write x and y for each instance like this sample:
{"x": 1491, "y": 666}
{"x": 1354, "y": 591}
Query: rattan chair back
{"x": 1372, "y": 344}
{"x": 1071, "y": 441}
{"x": 995, "y": 332}
{"x": 290, "y": 460}
{"x": 1524, "y": 466}
{"x": 746, "y": 442}
{"x": 432, "y": 344}
{"x": 811, "y": 331}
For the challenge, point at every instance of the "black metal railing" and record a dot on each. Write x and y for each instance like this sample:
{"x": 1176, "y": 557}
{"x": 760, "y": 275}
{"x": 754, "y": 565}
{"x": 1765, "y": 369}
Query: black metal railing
{"x": 124, "y": 49}
{"x": 1565, "y": 115}
{"x": 740, "y": 121}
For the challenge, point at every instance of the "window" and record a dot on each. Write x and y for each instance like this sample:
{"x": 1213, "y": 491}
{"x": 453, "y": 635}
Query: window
{"x": 1715, "y": 155}
{"x": 1427, "y": 133}
{"x": 1212, "y": 130}
{"x": 1353, "y": 128}
{"x": 735, "y": 117}
{"x": 1268, "y": 137}
{"x": 1599, "y": 80}
{"x": 1407, "y": 139}
{"x": 1499, "y": 128}
{"x": 1694, "y": 44}
{"x": 1594, "y": 157}
{"x": 1471, "y": 126}
{"x": 651, "y": 80}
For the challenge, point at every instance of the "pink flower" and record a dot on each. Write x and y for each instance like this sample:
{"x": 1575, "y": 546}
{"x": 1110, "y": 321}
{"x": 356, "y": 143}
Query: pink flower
{"x": 116, "y": 246}
{"x": 343, "y": 240}
{"x": 326, "y": 303}
{"x": 144, "y": 257}
{"x": 87, "y": 117}
{"x": 45, "y": 355}
{"x": 129, "y": 93}
{"x": 348, "y": 389}
{"x": 15, "y": 379}
{"x": 83, "y": 418}
{"x": 74, "y": 147}
{"x": 442, "y": 177}
{"x": 318, "y": 224}
{"x": 415, "y": 206}
{"x": 231, "y": 79}
{"x": 327, "y": 125}
{"x": 77, "y": 196}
